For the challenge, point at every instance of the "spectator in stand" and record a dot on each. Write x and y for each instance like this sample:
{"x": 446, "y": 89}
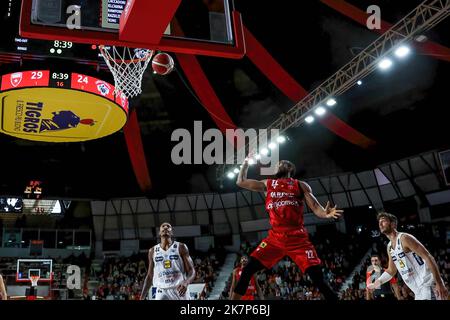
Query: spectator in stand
{"x": 374, "y": 271}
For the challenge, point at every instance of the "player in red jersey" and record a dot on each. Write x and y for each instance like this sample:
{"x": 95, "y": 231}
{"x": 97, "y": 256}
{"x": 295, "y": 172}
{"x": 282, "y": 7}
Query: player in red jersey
{"x": 252, "y": 289}
{"x": 285, "y": 198}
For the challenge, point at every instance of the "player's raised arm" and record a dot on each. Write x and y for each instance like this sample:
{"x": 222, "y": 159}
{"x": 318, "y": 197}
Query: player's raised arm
{"x": 188, "y": 267}
{"x": 149, "y": 278}
{"x": 410, "y": 243}
{"x": 3, "y": 295}
{"x": 325, "y": 213}
{"x": 249, "y": 184}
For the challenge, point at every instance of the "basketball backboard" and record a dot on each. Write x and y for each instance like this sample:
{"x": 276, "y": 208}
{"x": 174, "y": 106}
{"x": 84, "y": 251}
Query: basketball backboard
{"x": 14, "y": 48}
{"x": 34, "y": 267}
{"x": 200, "y": 27}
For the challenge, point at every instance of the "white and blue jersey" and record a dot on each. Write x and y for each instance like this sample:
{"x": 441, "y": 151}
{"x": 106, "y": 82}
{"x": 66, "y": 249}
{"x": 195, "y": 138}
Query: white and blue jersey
{"x": 168, "y": 272}
{"x": 413, "y": 270}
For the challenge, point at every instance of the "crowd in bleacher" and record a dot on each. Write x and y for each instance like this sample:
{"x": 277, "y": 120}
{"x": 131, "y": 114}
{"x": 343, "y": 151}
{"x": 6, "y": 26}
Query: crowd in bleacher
{"x": 122, "y": 278}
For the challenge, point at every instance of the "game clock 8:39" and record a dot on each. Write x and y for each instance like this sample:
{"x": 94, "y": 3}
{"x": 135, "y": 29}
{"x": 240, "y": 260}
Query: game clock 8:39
{"x": 62, "y": 44}
{"x": 60, "y": 80}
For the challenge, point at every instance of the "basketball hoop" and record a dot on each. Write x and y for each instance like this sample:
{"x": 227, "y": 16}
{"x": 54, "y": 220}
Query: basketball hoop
{"x": 34, "y": 280}
{"x": 127, "y": 66}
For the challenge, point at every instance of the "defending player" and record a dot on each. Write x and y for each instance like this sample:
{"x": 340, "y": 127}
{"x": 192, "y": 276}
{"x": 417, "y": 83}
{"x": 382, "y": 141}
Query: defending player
{"x": 170, "y": 269}
{"x": 415, "y": 264}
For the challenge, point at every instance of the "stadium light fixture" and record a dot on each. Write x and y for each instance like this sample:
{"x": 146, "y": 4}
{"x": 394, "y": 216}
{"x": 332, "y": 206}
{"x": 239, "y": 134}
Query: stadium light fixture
{"x": 320, "y": 111}
{"x": 402, "y": 52}
{"x": 385, "y": 64}
{"x": 331, "y": 102}
{"x": 309, "y": 119}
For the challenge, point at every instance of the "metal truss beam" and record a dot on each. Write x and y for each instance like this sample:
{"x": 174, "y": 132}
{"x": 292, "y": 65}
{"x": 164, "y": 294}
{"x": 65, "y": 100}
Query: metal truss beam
{"x": 424, "y": 17}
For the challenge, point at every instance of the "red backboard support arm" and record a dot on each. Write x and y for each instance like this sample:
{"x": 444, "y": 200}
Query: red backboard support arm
{"x": 154, "y": 14}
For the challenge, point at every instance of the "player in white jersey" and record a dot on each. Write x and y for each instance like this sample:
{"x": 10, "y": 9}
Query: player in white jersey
{"x": 3, "y": 295}
{"x": 170, "y": 269}
{"x": 415, "y": 264}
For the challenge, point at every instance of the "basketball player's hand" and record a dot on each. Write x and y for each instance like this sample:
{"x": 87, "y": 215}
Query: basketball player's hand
{"x": 182, "y": 288}
{"x": 374, "y": 285}
{"x": 441, "y": 291}
{"x": 332, "y": 212}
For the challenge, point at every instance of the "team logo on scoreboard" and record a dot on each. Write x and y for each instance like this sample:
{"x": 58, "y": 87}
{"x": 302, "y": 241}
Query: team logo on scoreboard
{"x": 16, "y": 79}
{"x": 103, "y": 87}
{"x": 30, "y": 118}
{"x": 64, "y": 120}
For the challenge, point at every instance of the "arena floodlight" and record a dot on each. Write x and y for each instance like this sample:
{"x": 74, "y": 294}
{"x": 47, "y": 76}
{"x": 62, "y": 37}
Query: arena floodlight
{"x": 402, "y": 51}
{"x": 320, "y": 111}
{"x": 385, "y": 64}
{"x": 309, "y": 119}
{"x": 230, "y": 175}
{"x": 265, "y": 151}
{"x": 331, "y": 102}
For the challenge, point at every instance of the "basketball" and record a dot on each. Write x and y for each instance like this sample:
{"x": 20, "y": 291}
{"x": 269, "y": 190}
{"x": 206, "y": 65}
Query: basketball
{"x": 162, "y": 64}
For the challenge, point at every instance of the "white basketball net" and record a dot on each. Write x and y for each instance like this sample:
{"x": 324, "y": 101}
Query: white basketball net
{"x": 127, "y": 66}
{"x": 34, "y": 281}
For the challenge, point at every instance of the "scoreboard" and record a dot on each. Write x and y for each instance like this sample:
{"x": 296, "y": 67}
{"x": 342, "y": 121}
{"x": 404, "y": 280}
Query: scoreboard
{"x": 61, "y": 80}
{"x": 58, "y": 106}
{"x": 12, "y": 42}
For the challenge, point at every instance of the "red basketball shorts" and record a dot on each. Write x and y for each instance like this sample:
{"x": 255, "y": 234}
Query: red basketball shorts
{"x": 276, "y": 246}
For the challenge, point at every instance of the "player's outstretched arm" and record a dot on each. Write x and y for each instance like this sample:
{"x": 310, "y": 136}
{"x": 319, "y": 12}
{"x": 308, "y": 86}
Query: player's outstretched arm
{"x": 410, "y": 243}
{"x": 149, "y": 278}
{"x": 3, "y": 295}
{"x": 325, "y": 213}
{"x": 188, "y": 267}
{"x": 249, "y": 184}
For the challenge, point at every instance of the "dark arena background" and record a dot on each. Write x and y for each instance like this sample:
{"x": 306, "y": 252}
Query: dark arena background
{"x": 91, "y": 130}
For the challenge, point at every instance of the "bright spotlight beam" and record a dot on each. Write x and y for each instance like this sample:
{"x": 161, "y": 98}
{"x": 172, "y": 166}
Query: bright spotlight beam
{"x": 385, "y": 64}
